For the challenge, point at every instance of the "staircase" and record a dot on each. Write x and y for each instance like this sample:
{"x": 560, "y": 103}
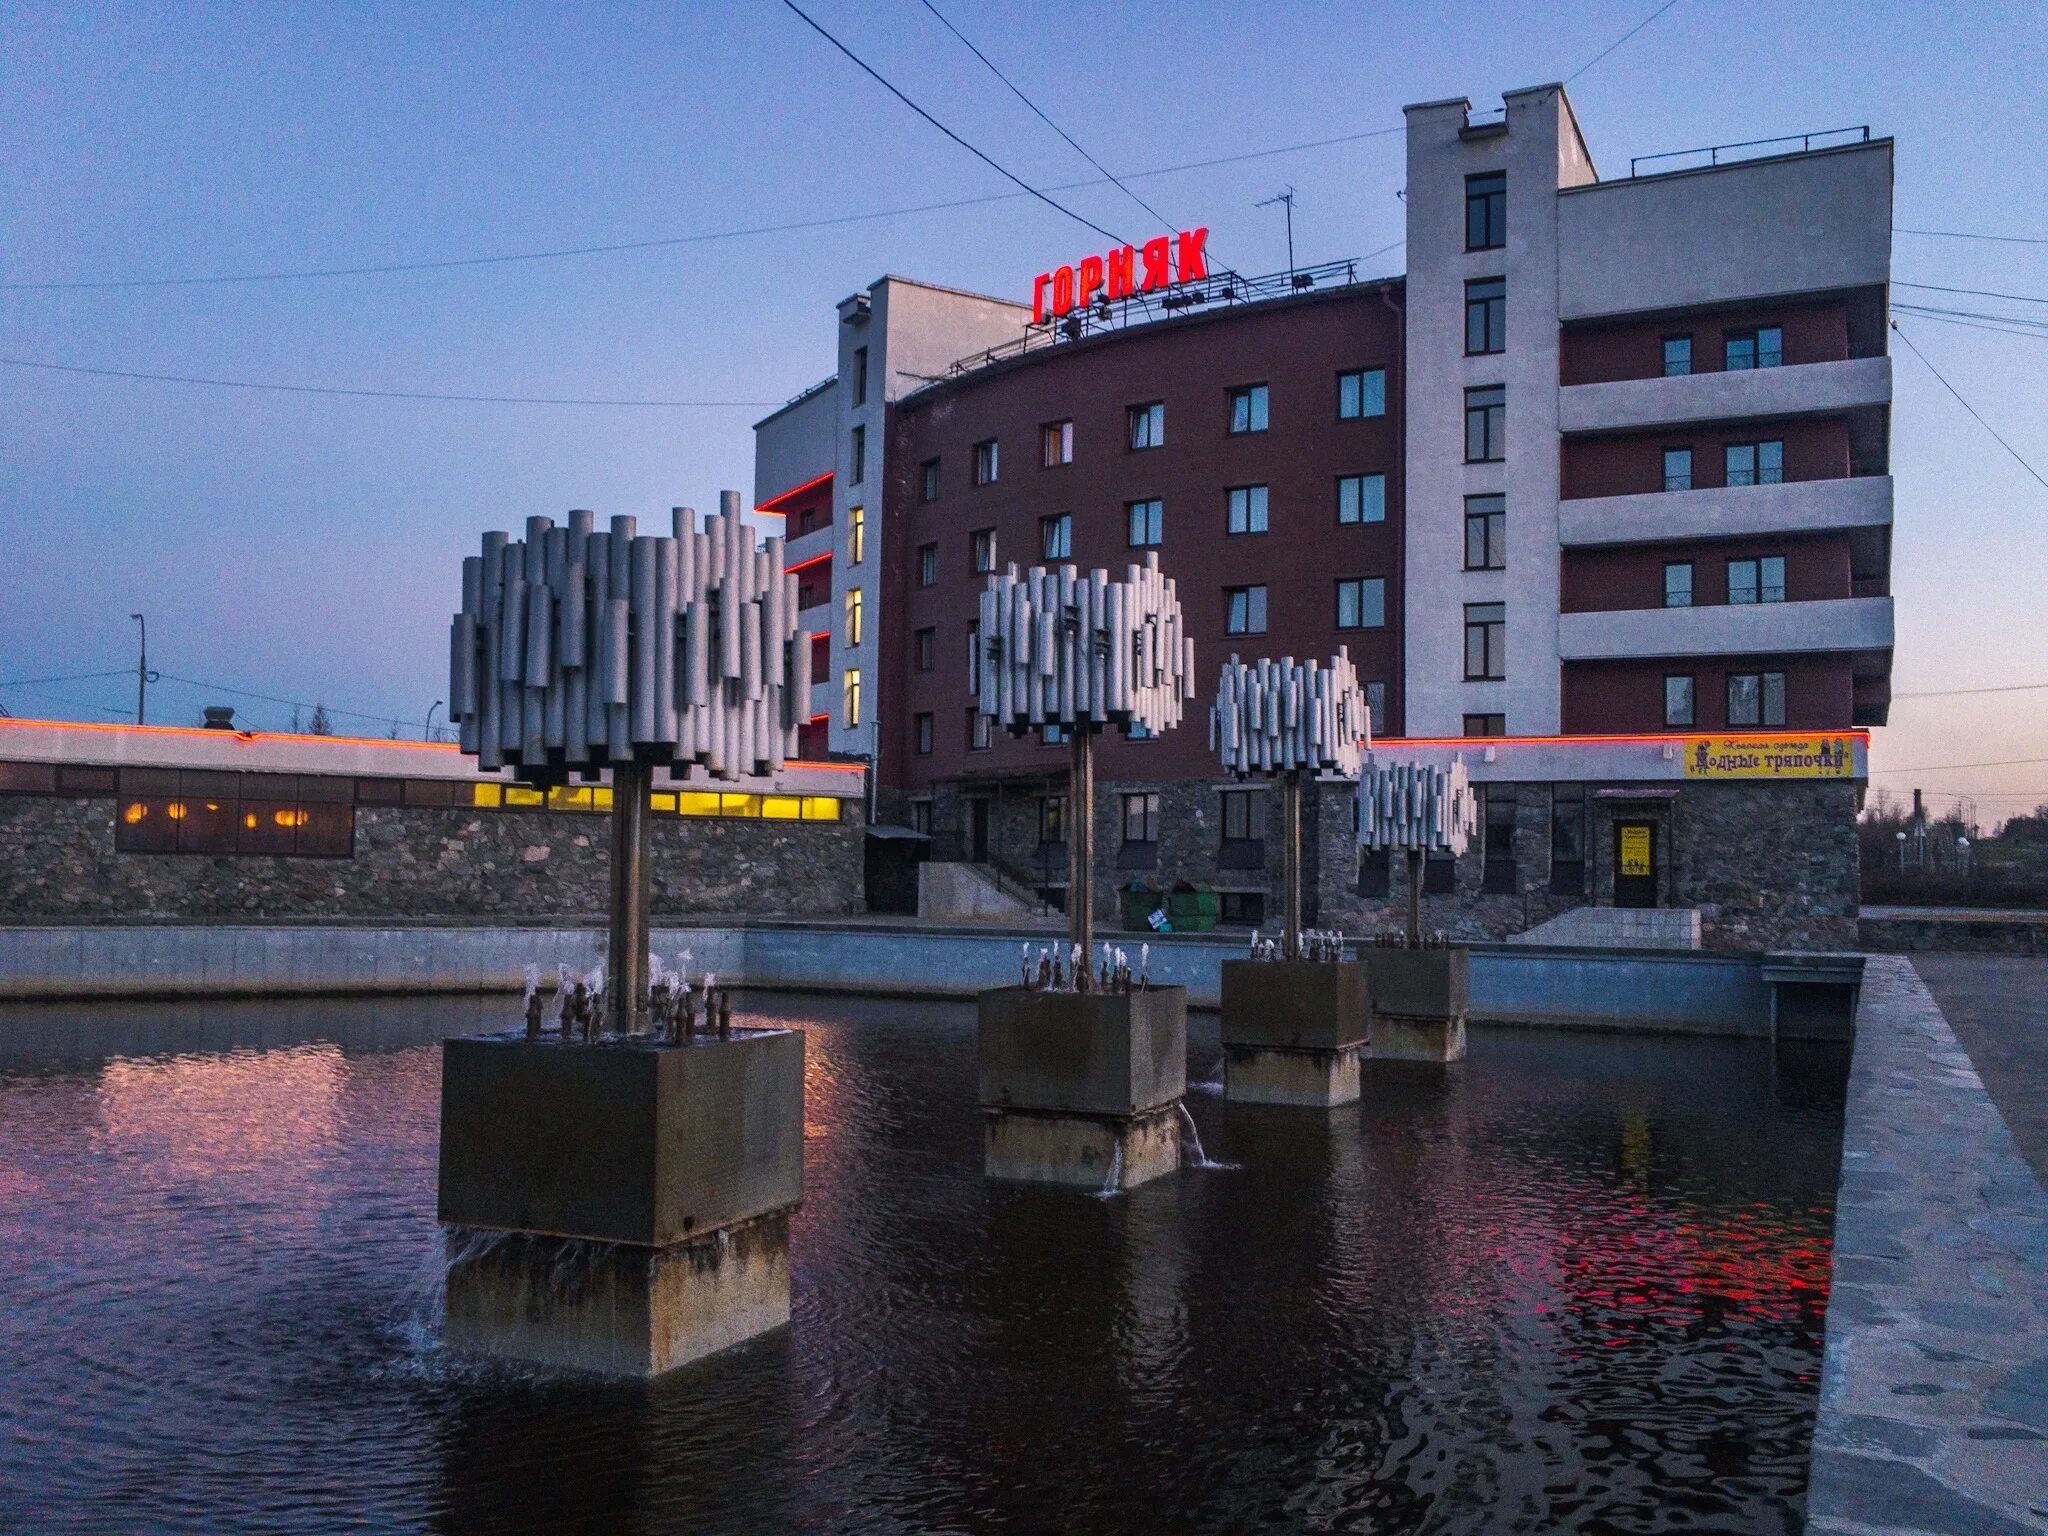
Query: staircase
{"x": 1617, "y": 928}
{"x": 972, "y": 891}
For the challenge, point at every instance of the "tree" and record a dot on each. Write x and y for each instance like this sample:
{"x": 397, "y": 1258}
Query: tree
{"x": 319, "y": 725}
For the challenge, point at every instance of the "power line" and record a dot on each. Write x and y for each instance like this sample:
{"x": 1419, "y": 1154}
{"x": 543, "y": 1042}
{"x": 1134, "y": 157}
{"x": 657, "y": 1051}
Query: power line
{"x": 1982, "y": 293}
{"x": 1950, "y": 693}
{"x": 1631, "y": 32}
{"x": 985, "y": 159}
{"x": 1939, "y": 318}
{"x": 2008, "y": 447}
{"x": 1164, "y": 222}
{"x": 68, "y": 677}
{"x": 2009, "y": 762}
{"x": 1966, "y": 234}
{"x": 709, "y": 236}
{"x": 271, "y": 698}
{"x": 376, "y": 394}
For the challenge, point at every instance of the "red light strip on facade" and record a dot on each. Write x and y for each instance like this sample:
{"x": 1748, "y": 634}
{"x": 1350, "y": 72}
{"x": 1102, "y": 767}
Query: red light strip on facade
{"x": 245, "y": 737}
{"x": 805, "y": 565}
{"x": 772, "y": 507}
{"x": 1660, "y": 739}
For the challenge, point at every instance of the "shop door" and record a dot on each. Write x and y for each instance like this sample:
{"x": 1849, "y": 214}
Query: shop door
{"x": 977, "y": 831}
{"x": 1635, "y": 863}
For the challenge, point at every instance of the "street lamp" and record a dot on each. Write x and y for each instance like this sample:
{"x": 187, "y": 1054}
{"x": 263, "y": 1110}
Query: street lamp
{"x": 141, "y": 670}
{"x": 428, "y": 733}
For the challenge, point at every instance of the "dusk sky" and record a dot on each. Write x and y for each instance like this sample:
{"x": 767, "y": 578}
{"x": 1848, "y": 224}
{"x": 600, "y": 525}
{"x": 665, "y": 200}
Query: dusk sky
{"x": 307, "y": 546}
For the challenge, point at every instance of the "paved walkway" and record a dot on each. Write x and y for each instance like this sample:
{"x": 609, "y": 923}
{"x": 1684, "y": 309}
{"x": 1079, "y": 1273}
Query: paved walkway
{"x": 1998, "y": 1007}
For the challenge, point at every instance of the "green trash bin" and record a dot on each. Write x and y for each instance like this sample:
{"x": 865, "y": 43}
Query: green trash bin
{"x": 1193, "y": 907}
{"x": 1140, "y": 901}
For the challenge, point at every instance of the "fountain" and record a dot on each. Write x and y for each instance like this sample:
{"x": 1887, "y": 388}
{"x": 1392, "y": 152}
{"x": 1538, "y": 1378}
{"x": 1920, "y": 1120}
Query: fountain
{"x": 1294, "y": 1011}
{"x": 1082, "y": 1066}
{"x": 642, "y": 1173}
{"x": 1420, "y": 987}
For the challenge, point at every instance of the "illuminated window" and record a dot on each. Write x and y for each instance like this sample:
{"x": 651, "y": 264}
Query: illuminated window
{"x": 524, "y": 795}
{"x": 856, "y": 535}
{"x": 849, "y": 692}
{"x": 490, "y": 795}
{"x": 1362, "y": 499}
{"x": 820, "y": 808}
{"x": 1055, "y": 444}
{"x": 697, "y": 803}
{"x": 853, "y": 616}
{"x": 1248, "y": 409}
{"x": 1361, "y": 393}
{"x": 1247, "y": 509}
{"x": 781, "y": 808}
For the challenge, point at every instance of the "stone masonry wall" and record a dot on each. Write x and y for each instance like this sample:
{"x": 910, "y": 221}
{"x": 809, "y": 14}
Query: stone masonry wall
{"x": 57, "y": 861}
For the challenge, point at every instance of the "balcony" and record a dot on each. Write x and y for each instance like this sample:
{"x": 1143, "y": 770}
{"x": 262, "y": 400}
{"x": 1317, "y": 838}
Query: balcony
{"x": 1804, "y": 389}
{"x": 824, "y": 698}
{"x": 1797, "y": 506}
{"x": 815, "y": 620}
{"x": 808, "y": 546}
{"x": 1733, "y": 629}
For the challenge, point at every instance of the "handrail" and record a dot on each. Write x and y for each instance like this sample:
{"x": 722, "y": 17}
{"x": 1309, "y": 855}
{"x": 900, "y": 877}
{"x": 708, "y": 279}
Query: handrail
{"x": 1713, "y": 152}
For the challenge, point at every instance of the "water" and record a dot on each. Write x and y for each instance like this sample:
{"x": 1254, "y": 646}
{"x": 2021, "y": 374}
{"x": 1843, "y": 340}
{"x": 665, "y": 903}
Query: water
{"x": 1575, "y": 1284}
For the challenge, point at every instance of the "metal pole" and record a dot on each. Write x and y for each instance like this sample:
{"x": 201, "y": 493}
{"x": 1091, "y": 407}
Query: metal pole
{"x": 428, "y": 733}
{"x": 627, "y": 957}
{"x": 1290, "y": 863}
{"x": 1415, "y": 898}
{"x": 1081, "y": 847}
{"x": 142, "y": 672}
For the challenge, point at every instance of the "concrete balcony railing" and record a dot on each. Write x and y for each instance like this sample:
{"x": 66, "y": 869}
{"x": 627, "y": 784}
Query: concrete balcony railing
{"x": 808, "y": 546}
{"x": 1733, "y": 629}
{"x": 824, "y": 697}
{"x": 816, "y": 619}
{"x": 1798, "y": 506}
{"x": 1802, "y": 389}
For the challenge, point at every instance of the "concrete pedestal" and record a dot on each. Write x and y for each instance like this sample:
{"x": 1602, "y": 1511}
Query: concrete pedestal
{"x": 1082, "y": 1088}
{"x": 624, "y": 1206}
{"x": 1293, "y": 1031}
{"x": 1419, "y": 1001}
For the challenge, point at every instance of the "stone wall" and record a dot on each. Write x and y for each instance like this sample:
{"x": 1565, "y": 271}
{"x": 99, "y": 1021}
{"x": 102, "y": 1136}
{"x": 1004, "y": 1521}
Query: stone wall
{"x": 57, "y": 861}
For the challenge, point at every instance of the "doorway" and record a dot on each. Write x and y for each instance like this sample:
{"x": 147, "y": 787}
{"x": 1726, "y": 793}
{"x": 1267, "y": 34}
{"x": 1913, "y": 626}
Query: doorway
{"x": 977, "y": 831}
{"x": 1635, "y": 863}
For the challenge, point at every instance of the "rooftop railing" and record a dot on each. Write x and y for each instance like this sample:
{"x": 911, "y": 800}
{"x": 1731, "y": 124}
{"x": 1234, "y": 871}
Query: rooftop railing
{"x": 1751, "y": 149}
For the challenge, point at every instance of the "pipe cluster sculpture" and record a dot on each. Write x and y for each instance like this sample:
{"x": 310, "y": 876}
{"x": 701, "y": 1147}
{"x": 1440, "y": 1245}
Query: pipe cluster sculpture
{"x": 1056, "y": 647}
{"x": 1282, "y": 716}
{"x": 577, "y": 650}
{"x": 1417, "y": 807}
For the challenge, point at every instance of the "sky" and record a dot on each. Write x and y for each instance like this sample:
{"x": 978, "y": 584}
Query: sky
{"x": 307, "y": 547}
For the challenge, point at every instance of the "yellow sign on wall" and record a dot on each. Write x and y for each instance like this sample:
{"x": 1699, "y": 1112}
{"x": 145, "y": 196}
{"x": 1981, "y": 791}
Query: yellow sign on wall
{"x": 1635, "y": 850}
{"x": 1775, "y": 757}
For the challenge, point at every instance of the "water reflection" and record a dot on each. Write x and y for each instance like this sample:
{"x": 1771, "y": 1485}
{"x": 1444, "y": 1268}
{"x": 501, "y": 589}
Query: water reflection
{"x": 1575, "y": 1283}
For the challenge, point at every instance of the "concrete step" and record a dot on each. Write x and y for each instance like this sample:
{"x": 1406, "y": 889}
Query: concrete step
{"x": 1617, "y": 928}
{"x": 960, "y": 890}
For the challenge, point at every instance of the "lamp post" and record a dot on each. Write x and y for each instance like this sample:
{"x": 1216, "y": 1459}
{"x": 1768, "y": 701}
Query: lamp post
{"x": 142, "y": 671}
{"x": 427, "y": 734}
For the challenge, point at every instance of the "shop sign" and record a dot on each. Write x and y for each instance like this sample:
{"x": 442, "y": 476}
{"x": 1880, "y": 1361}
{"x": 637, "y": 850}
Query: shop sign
{"x": 1635, "y": 849}
{"x": 1776, "y": 757}
{"x": 1162, "y": 262}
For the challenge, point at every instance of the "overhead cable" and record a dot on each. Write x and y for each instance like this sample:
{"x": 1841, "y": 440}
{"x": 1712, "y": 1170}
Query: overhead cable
{"x": 2008, "y": 447}
{"x": 376, "y": 394}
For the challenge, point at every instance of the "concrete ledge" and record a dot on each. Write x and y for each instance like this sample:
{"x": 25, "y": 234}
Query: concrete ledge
{"x": 1934, "y": 1383}
{"x": 1919, "y": 930}
{"x": 1085, "y": 1053}
{"x": 1101, "y": 1152}
{"x": 1293, "y": 1004}
{"x": 1309, "y": 1079}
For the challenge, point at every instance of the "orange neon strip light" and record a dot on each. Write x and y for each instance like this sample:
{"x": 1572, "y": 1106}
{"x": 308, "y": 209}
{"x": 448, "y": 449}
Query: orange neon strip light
{"x": 805, "y": 565}
{"x": 773, "y": 505}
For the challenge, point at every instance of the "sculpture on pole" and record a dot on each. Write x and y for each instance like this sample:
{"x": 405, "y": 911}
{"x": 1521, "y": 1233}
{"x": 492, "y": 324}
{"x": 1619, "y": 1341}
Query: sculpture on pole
{"x": 1290, "y": 720}
{"x": 1082, "y": 653}
{"x": 1419, "y": 809}
{"x": 578, "y": 651}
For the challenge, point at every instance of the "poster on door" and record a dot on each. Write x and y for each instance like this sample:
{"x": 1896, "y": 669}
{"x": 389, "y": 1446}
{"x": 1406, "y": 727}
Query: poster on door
{"x": 1635, "y": 850}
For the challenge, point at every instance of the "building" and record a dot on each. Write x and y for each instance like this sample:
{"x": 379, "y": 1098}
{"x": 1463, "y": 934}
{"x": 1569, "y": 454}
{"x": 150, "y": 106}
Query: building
{"x": 1601, "y": 480}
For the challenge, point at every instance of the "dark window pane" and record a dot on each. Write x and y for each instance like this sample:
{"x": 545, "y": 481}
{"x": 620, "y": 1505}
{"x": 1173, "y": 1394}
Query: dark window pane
{"x": 327, "y": 830}
{"x": 206, "y": 823}
{"x": 268, "y": 826}
{"x": 27, "y": 778}
{"x": 144, "y": 824}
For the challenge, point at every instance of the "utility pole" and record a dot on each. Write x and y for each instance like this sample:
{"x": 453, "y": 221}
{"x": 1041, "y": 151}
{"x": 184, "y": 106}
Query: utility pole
{"x": 1286, "y": 200}
{"x": 142, "y": 672}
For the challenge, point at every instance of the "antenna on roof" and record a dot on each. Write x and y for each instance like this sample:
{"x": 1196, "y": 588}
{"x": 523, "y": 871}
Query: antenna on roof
{"x": 1286, "y": 198}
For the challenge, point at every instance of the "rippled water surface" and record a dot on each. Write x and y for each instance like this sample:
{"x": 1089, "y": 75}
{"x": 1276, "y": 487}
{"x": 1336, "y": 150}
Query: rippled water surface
{"x": 1575, "y": 1283}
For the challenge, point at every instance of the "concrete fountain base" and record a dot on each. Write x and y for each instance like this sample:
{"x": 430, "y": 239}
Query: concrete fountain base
{"x": 1082, "y": 1088}
{"x": 620, "y": 1207}
{"x": 1419, "y": 1000}
{"x": 1293, "y": 1031}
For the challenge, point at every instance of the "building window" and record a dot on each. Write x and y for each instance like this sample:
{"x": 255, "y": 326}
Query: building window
{"x": 230, "y": 815}
{"x": 1757, "y": 581}
{"x": 860, "y": 375}
{"x": 1498, "y": 875}
{"x": 921, "y": 817}
{"x": 1486, "y": 315}
{"x": 924, "y": 734}
{"x": 1361, "y": 499}
{"x": 1244, "y": 909}
{"x": 1247, "y": 512}
{"x": 1678, "y": 584}
{"x": 1361, "y": 393}
{"x": 1678, "y": 696}
{"x": 1241, "y": 821}
{"x": 1362, "y": 603}
{"x": 1439, "y": 875}
{"x": 1141, "y": 817}
{"x": 856, "y": 535}
{"x": 853, "y": 616}
{"x": 1763, "y": 347}
{"x": 1148, "y": 425}
{"x": 925, "y": 643}
{"x": 1486, "y": 533}
{"x": 1052, "y": 819}
{"x": 860, "y": 456}
{"x": 1754, "y": 463}
{"x": 974, "y": 659}
{"x": 982, "y": 550}
{"x": 1568, "y": 839}
{"x": 927, "y": 565}
{"x": 1056, "y": 536}
{"x": 1248, "y": 409}
{"x": 1053, "y": 734}
{"x": 1677, "y": 356}
{"x": 1055, "y": 443}
{"x": 929, "y": 480}
{"x": 849, "y": 695}
{"x": 1148, "y": 522}
{"x": 1486, "y": 211}
{"x": 987, "y": 462}
{"x": 1677, "y": 469}
{"x": 1375, "y": 872}
{"x": 1486, "y": 424}
{"x": 978, "y": 731}
{"x": 1376, "y": 704}
{"x": 1486, "y": 642}
{"x": 1486, "y": 725}
{"x": 1756, "y": 698}
{"x": 1245, "y": 611}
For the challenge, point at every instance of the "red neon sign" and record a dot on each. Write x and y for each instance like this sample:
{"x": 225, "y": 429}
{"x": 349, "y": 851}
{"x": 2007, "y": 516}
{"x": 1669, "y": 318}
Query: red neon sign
{"x": 1161, "y": 262}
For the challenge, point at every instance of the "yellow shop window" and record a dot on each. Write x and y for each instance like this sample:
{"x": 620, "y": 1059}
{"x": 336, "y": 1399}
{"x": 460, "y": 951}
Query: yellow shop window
{"x": 521, "y": 794}
{"x": 697, "y": 803}
{"x": 781, "y": 808}
{"x": 572, "y": 797}
{"x": 601, "y": 796}
{"x": 820, "y": 808}
{"x": 658, "y": 802}
{"x": 739, "y": 805}
{"x": 492, "y": 795}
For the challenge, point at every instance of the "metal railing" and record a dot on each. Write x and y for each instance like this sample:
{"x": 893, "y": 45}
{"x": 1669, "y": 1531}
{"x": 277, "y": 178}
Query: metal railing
{"x": 1145, "y": 308}
{"x": 1758, "y": 149}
